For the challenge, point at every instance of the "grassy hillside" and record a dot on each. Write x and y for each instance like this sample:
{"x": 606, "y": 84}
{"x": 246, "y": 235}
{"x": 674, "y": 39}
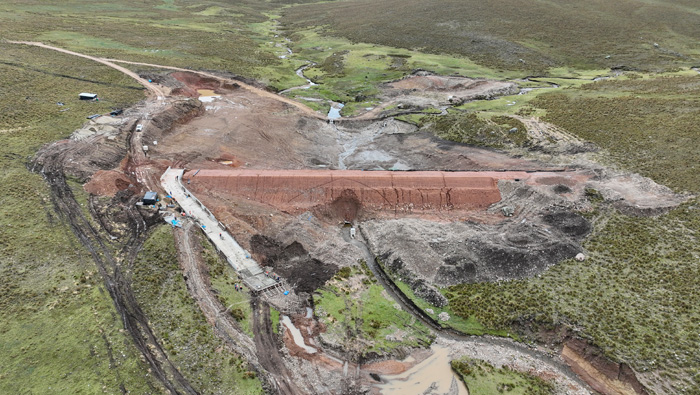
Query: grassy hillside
{"x": 649, "y": 125}
{"x": 635, "y": 296}
{"x": 59, "y": 332}
{"x": 203, "y": 34}
{"x": 520, "y": 34}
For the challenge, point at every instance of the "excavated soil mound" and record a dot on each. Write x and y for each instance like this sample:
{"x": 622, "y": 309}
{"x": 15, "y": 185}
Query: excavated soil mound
{"x": 292, "y": 262}
{"x": 417, "y": 88}
{"x": 436, "y": 82}
{"x": 345, "y": 191}
{"x": 571, "y": 224}
{"x": 189, "y": 83}
{"x": 108, "y": 183}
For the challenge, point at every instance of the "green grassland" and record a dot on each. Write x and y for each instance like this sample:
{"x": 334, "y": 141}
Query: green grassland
{"x": 350, "y": 72}
{"x": 635, "y": 296}
{"x": 172, "y": 33}
{"x": 481, "y": 378}
{"x": 648, "y": 125}
{"x": 176, "y": 319}
{"x": 59, "y": 332}
{"x": 531, "y": 36}
{"x": 223, "y": 281}
{"x": 365, "y": 311}
{"x": 467, "y": 325}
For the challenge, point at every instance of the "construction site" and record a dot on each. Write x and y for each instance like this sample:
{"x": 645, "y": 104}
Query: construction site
{"x": 290, "y": 199}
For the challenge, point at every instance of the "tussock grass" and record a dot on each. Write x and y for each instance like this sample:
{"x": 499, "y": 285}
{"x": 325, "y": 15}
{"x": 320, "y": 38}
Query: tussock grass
{"x": 634, "y": 296}
{"x": 648, "y": 125}
{"x": 176, "y": 319}
{"x": 532, "y": 36}
{"x": 496, "y": 132}
{"x": 483, "y": 378}
{"x": 59, "y": 329}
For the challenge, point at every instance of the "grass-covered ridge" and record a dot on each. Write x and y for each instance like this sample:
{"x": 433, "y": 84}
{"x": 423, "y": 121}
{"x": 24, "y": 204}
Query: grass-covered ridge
{"x": 635, "y": 296}
{"x": 186, "y": 336}
{"x": 172, "y": 33}
{"x": 468, "y": 128}
{"x": 361, "y": 317}
{"x": 59, "y": 327}
{"x": 520, "y": 34}
{"x": 648, "y": 125}
{"x": 482, "y": 378}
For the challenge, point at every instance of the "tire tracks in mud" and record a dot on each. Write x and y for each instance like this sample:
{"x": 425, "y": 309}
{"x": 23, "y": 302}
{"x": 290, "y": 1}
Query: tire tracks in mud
{"x": 262, "y": 352}
{"x": 50, "y": 162}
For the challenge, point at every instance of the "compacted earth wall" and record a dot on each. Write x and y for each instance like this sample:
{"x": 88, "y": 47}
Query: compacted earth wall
{"x": 298, "y": 190}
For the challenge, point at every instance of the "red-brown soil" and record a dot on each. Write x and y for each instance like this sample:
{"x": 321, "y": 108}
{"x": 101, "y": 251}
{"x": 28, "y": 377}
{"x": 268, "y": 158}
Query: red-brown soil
{"x": 348, "y": 190}
{"x": 600, "y": 373}
{"x": 108, "y": 183}
{"x": 346, "y": 194}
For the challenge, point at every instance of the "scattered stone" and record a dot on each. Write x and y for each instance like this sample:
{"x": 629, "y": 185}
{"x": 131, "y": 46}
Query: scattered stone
{"x": 580, "y": 257}
{"x": 508, "y": 211}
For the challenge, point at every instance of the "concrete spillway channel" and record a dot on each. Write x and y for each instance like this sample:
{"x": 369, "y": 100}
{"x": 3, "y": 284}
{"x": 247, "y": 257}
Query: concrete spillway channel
{"x": 250, "y": 271}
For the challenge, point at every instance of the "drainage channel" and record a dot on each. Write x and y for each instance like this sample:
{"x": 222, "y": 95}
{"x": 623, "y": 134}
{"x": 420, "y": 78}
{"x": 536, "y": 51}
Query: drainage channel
{"x": 449, "y": 333}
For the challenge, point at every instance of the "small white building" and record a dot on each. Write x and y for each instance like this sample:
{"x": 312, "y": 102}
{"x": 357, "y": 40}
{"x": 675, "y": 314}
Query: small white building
{"x": 88, "y": 96}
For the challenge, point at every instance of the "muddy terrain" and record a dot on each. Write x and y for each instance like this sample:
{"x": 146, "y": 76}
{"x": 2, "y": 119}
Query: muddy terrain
{"x": 529, "y": 222}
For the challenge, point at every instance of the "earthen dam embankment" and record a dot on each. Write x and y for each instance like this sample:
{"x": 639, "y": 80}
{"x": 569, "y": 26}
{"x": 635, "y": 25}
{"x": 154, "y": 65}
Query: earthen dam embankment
{"x": 298, "y": 190}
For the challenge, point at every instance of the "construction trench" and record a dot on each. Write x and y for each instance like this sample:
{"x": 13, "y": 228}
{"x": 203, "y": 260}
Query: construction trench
{"x": 269, "y": 177}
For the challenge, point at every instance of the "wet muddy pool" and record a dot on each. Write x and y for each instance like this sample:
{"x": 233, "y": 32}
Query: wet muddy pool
{"x": 434, "y": 372}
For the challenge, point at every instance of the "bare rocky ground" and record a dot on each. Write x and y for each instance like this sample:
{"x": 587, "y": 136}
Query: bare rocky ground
{"x": 243, "y": 129}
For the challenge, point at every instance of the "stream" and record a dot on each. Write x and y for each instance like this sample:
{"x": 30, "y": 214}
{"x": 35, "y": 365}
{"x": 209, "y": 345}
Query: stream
{"x": 434, "y": 372}
{"x": 414, "y": 375}
{"x": 300, "y": 73}
{"x": 296, "y": 335}
{"x": 524, "y": 91}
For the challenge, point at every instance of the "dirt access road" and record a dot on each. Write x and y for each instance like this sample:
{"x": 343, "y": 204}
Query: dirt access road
{"x": 157, "y": 91}
{"x": 110, "y": 264}
{"x": 262, "y": 353}
{"x": 119, "y": 287}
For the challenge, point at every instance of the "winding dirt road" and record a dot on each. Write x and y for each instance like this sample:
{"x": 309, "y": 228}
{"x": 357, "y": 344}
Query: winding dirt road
{"x": 262, "y": 352}
{"x": 157, "y": 91}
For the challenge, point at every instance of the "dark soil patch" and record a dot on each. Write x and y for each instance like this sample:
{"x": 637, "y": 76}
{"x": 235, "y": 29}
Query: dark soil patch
{"x": 571, "y": 224}
{"x": 561, "y": 188}
{"x": 347, "y": 207}
{"x": 293, "y": 262}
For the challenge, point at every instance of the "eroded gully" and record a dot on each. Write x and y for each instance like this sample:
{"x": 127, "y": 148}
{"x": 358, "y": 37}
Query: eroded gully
{"x": 449, "y": 333}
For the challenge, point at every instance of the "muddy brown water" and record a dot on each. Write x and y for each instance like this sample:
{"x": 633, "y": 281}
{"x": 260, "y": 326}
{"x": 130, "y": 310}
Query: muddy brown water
{"x": 434, "y": 372}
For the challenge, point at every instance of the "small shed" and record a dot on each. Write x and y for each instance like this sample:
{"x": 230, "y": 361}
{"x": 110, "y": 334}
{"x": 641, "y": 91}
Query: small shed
{"x": 88, "y": 96}
{"x": 150, "y": 198}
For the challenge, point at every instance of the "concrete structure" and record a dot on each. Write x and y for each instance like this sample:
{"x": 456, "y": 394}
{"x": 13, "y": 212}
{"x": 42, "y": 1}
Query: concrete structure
{"x": 250, "y": 271}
